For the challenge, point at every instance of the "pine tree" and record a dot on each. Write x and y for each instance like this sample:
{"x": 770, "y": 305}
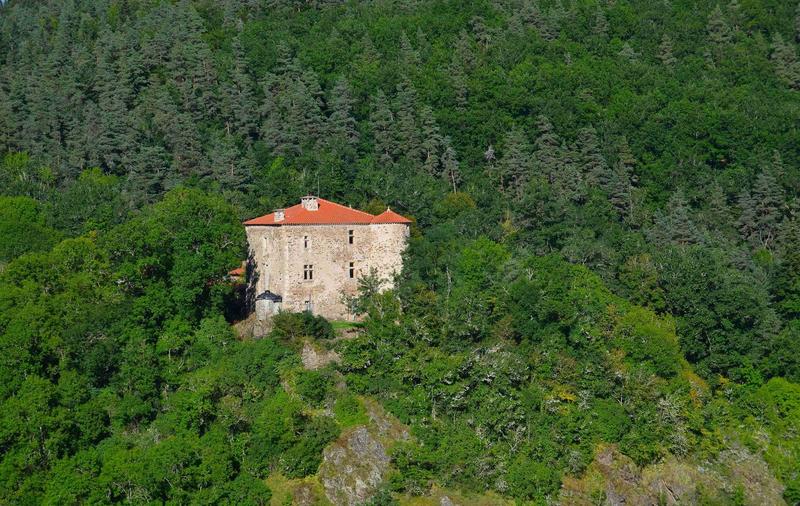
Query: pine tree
{"x": 228, "y": 168}
{"x": 481, "y": 32}
{"x": 113, "y": 137}
{"x": 747, "y": 222}
{"x": 408, "y": 133}
{"x": 463, "y": 51}
{"x": 191, "y": 67}
{"x": 431, "y": 141}
{"x": 600, "y": 27}
{"x": 382, "y": 126}
{"x": 719, "y": 32}
{"x": 626, "y": 159}
{"x": 568, "y": 180}
{"x": 784, "y": 57}
{"x": 717, "y": 215}
{"x": 409, "y": 57}
{"x": 797, "y": 24}
{"x": 627, "y": 52}
{"x": 239, "y": 97}
{"x": 342, "y": 126}
{"x": 619, "y": 189}
{"x": 532, "y": 16}
{"x": 458, "y": 81}
{"x": 678, "y": 225}
{"x": 150, "y": 175}
{"x": 769, "y": 200}
{"x": 450, "y": 165}
{"x": 515, "y": 164}
{"x": 665, "y": 52}
{"x": 593, "y": 164}
{"x": 547, "y": 155}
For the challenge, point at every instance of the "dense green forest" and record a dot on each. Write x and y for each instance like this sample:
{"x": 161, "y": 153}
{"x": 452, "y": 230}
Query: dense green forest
{"x": 605, "y": 259}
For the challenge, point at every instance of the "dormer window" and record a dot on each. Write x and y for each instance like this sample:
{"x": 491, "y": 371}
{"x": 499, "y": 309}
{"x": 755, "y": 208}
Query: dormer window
{"x": 349, "y": 237}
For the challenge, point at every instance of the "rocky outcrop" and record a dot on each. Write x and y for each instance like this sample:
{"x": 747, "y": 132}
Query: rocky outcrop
{"x": 354, "y": 467}
{"x": 316, "y": 358}
{"x": 672, "y": 482}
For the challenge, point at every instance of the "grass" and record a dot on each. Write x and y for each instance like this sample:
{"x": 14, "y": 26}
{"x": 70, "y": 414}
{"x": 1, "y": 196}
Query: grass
{"x": 344, "y": 325}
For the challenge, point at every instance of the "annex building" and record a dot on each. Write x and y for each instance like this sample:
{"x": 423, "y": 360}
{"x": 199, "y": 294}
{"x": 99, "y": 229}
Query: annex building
{"x": 306, "y": 257}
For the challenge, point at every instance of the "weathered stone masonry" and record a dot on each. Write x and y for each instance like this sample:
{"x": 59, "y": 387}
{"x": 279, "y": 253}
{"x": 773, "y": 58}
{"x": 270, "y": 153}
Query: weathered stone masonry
{"x": 308, "y": 256}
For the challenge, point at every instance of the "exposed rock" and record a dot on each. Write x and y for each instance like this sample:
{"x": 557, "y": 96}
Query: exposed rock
{"x": 353, "y": 467}
{"x": 388, "y": 428}
{"x": 673, "y": 481}
{"x": 314, "y": 358}
{"x": 446, "y": 501}
{"x": 303, "y": 495}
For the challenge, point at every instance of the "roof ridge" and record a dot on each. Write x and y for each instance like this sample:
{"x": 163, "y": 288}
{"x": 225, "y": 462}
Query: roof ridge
{"x": 344, "y": 206}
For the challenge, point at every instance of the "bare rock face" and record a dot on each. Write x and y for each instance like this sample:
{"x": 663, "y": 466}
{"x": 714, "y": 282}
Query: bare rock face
{"x": 353, "y": 467}
{"x": 672, "y": 482}
{"x": 314, "y": 358}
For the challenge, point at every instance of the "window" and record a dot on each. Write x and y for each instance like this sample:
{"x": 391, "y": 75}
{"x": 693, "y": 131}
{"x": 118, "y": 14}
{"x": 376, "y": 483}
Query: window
{"x": 308, "y": 272}
{"x": 352, "y": 270}
{"x": 305, "y": 241}
{"x": 350, "y": 237}
{"x": 309, "y": 306}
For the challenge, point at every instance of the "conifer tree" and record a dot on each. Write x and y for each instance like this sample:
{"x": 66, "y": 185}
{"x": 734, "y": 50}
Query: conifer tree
{"x": 665, "y": 53}
{"x": 784, "y": 57}
{"x": 341, "y": 123}
{"x": 547, "y": 155}
{"x": 228, "y": 168}
{"x": 409, "y": 56}
{"x": 431, "y": 141}
{"x": 592, "y": 162}
{"x": 408, "y": 133}
{"x": 717, "y": 214}
{"x": 450, "y": 165}
{"x": 619, "y": 189}
{"x": 382, "y": 126}
{"x": 114, "y": 138}
{"x": 797, "y": 23}
{"x": 239, "y": 97}
{"x": 747, "y": 222}
{"x": 676, "y": 224}
{"x": 515, "y": 164}
{"x": 719, "y": 32}
{"x": 627, "y": 52}
{"x": 600, "y": 27}
{"x": 768, "y": 199}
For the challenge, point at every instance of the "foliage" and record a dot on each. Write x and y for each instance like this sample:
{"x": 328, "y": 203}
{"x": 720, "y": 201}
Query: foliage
{"x": 604, "y": 249}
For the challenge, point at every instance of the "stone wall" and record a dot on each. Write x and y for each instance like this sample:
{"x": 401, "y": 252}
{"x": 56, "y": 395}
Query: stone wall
{"x": 281, "y": 252}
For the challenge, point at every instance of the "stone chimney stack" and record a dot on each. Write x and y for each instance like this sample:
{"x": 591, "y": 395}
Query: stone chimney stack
{"x": 279, "y": 215}
{"x": 310, "y": 203}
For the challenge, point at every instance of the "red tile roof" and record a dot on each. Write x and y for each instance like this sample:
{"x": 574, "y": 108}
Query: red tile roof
{"x": 239, "y": 271}
{"x": 329, "y": 213}
{"x": 389, "y": 216}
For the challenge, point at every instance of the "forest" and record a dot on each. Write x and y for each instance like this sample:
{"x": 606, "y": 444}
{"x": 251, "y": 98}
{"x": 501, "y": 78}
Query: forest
{"x": 600, "y": 299}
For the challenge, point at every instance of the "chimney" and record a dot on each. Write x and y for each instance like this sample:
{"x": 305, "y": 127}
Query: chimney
{"x": 310, "y": 203}
{"x": 279, "y": 215}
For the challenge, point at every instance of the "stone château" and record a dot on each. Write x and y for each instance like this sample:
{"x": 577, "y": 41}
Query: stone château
{"x": 309, "y": 256}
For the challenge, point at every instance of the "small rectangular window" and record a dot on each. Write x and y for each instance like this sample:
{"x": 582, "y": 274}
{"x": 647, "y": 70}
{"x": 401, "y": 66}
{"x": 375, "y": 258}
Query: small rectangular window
{"x": 308, "y": 305}
{"x": 305, "y": 241}
{"x": 350, "y": 236}
{"x": 352, "y": 270}
{"x": 308, "y": 272}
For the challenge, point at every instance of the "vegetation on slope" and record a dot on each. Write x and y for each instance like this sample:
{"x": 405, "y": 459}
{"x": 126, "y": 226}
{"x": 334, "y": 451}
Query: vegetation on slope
{"x": 605, "y": 260}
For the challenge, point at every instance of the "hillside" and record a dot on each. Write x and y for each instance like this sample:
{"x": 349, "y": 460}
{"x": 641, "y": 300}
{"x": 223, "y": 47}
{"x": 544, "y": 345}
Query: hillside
{"x": 600, "y": 298}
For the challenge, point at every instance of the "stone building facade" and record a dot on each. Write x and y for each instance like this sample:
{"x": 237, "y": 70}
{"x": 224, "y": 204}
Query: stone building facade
{"x": 308, "y": 256}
